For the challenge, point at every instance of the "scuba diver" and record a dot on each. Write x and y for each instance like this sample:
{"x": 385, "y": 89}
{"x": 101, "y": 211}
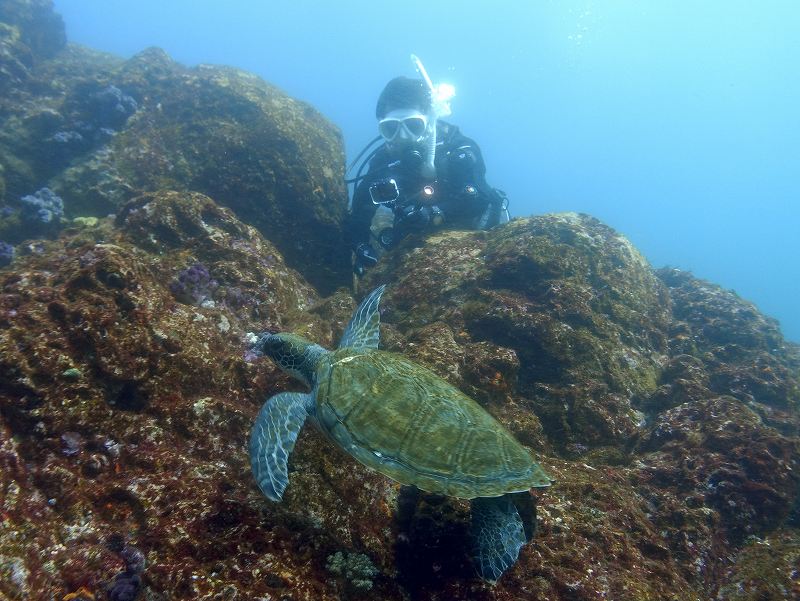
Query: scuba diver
{"x": 425, "y": 175}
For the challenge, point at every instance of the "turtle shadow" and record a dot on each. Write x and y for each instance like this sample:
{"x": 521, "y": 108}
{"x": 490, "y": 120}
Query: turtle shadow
{"x": 432, "y": 543}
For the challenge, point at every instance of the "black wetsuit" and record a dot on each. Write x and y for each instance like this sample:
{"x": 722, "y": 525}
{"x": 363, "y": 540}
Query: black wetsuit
{"x": 461, "y": 198}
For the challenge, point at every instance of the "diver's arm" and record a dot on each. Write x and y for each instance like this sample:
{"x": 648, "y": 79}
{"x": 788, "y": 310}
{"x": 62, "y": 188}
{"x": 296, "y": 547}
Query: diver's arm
{"x": 361, "y": 214}
{"x": 358, "y": 228}
{"x": 470, "y": 199}
{"x": 491, "y": 203}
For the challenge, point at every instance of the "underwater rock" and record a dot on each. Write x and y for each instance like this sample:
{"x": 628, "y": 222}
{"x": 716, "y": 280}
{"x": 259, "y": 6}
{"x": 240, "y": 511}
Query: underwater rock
{"x": 149, "y": 436}
{"x": 30, "y": 31}
{"x": 15, "y": 58}
{"x": 273, "y": 160}
{"x": 43, "y": 206}
{"x": 6, "y": 253}
{"x": 111, "y": 107}
{"x": 194, "y": 285}
{"x": 578, "y": 306}
{"x": 100, "y": 131}
{"x": 734, "y": 464}
{"x": 238, "y": 268}
{"x": 47, "y": 121}
{"x": 31, "y": 34}
{"x": 765, "y": 569}
{"x": 355, "y": 568}
{"x": 148, "y": 439}
{"x": 32, "y": 216}
{"x": 41, "y": 29}
{"x": 742, "y": 352}
{"x": 672, "y": 401}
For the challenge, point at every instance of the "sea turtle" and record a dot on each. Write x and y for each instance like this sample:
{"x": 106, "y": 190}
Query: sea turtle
{"x": 402, "y": 420}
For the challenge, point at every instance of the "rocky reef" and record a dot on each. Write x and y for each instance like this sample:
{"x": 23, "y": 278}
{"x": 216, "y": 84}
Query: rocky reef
{"x": 201, "y": 205}
{"x": 98, "y": 131}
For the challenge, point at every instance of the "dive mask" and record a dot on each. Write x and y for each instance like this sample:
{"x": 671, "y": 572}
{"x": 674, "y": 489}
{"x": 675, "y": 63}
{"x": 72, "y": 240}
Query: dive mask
{"x": 403, "y": 124}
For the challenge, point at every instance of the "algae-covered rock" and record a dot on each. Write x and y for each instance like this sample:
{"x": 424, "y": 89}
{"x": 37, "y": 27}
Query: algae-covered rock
{"x": 273, "y": 160}
{"x": 579, "y": 307}
{"x": 672, "y": 400}
{"x": 114, "y": 397}
{"x": 744, "y": 469}
{"x": 40, "y": 28}
{"x": 30, "y": 31}
{"x": 741, "y": 352}
{"x": 128, "y": 392}
{"x": 100, "y": 131}
{"x": 765, "y": 569}
{"x": 14, "y": 57}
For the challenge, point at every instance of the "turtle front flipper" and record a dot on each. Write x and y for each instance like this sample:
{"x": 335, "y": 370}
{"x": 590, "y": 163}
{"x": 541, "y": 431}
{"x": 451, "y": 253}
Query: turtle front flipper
{"x": 363, "y": 331}
{"x": 497, "y": 535}
{"x": 272, "y": 440}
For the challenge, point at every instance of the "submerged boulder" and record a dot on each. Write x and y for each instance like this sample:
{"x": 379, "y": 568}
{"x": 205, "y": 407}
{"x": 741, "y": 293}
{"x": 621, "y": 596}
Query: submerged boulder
{"x": 575, "y": 305}
{"x": 99, "y": 131}
{"x": 128, "y": 392}
{"x": 737, "y": 350}
{"x": 671, "y": 402}
{"x": 275, "y": 161}
{"x": 30, "y": 31}
{"x": 124, "y": 408}
{"x": 40, "y": 28}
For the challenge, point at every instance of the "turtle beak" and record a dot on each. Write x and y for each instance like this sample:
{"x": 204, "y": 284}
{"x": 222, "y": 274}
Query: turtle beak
{"x": 261, "y": 345}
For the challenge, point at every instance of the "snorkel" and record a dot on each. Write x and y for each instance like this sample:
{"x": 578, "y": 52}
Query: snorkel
{"x": 441, "y": 95}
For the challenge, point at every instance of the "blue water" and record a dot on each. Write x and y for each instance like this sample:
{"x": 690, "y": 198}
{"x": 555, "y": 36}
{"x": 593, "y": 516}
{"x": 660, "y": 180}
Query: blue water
{"x": 677, "y": 123}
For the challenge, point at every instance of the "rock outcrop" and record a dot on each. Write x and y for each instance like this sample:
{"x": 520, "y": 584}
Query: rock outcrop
{"x": 99, "y": 131}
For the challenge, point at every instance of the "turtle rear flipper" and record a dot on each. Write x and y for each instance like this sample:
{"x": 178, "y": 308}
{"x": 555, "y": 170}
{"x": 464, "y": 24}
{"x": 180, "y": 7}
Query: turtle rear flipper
{"x": 497, "y": 535}
{"x": 272, "y": 440}
{"x": 526, "y": 507}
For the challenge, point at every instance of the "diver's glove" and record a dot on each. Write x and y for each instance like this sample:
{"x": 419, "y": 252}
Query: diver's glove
{"x": 421, "y": 216}
{"x": 414, "y": 217}
{"x": 365, "y": 257}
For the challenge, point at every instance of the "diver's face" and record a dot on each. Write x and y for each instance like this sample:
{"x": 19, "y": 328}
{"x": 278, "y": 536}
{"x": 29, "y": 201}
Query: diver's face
{"x": 403, "y": 128}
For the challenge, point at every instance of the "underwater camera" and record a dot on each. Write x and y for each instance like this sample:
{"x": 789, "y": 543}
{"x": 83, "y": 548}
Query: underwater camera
{"x": 384, "y": 191}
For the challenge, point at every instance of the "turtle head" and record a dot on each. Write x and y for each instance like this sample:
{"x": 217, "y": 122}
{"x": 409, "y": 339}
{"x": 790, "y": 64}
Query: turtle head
{"x": 293, "y": 354}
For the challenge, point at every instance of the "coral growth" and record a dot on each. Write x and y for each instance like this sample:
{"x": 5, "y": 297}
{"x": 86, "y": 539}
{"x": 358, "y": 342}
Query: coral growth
{"x": 43, "y": 206}
{"x": 355, "y": 568}
{"x": 194, "y": 285}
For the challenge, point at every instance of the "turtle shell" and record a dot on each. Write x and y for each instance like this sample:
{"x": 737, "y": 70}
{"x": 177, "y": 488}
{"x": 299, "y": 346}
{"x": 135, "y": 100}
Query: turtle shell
{"x": 406, "y": 422}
